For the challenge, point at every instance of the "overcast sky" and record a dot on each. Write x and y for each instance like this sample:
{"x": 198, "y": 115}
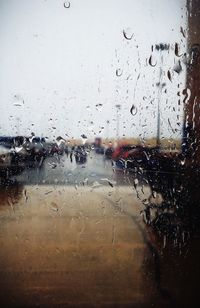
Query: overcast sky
{"x": 58, "y": 67}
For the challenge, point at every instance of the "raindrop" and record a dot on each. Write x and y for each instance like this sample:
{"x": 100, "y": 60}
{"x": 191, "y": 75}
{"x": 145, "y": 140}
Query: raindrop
{"x": 151, "y": 63}
{"x": 84, "y": 138}
{"x": 95, "y": 184}
{"x": 48, "y": 192}
{"x": 177, "y": 67}
{"x": 127, "y": 36}
{"x": 128, "y": 77}
{"x": 133, "y": 110}
{"x": 119, "y": 72}
{"x": 177, "y": 50}
{"x": 169, "y": 75}
{"x": 171, "y": 126}
{"x": 187, "y": 93}
{"x": 25, "y": 194}
{"x": 53, "y": 165}
{"x": 67, "y": 4}
{"x": 19, "y": 100}
{"x": 164, "y": 241}
{"x": 182, "y": 31}
{"x": 111, "y": 183}
{"x": 99, "y": 106}
{"x": 54, "y": 207}
{"x": 85, "y": 181}
{"x": 182, "y": 162}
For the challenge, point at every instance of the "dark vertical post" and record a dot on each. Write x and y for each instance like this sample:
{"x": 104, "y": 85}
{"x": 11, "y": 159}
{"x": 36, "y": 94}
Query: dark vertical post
{"x": 192, "y": 105}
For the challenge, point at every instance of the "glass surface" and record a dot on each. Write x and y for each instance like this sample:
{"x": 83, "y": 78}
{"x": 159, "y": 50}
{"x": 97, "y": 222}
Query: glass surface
{"x": 99, "y": 153}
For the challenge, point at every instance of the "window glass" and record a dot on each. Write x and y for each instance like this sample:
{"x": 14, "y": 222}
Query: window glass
{"x": 99, "y": 153}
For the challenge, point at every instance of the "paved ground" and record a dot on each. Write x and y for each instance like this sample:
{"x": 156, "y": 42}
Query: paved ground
{"x": 86, "y": 245}
{"x": 61, "y": 170}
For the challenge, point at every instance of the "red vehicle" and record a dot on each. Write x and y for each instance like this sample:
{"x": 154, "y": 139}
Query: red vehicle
{"x": 130, "y": 156}
{"x": 122, "y": 151}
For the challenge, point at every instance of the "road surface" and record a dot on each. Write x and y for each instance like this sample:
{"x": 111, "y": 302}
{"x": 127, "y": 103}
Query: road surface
{"x": 73, "y": 236}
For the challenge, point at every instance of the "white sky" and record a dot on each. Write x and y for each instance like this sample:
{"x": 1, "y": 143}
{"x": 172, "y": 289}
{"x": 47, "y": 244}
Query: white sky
{"x": 57, "y": 64}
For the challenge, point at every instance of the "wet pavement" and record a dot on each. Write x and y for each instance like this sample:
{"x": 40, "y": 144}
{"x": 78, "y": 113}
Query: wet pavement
{"x": 63, "y": 169}
{"x": 73, "y": 236}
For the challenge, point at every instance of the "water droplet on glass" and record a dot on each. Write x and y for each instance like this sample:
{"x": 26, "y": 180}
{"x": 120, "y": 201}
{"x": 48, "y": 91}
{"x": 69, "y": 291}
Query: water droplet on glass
{"x": 182, "y": 31}
{"x": 67, "y": 4}
{"x": 187, "y": 93}
{"x": 177, "y": 67}
{"x": 133, "y": 110}
{"x": 119, "y": 72}
{"x": 84, "y": 138}
{"x": 95, "y": 184}
{"x": 53, "y": 165}
{"x": 176, "y": 50}
{"x": 99, "y": 106}
{"x": 128, "y": 34}
{"x": 164, "y": 241}
{"x": 19, "y": 101}
{"x": 169, "y": 75}
{"x": 183, "y": 162}
{"x": 54, "y": 207}
{"x": 151, "y": 62}
{"x": 85, "y": 181}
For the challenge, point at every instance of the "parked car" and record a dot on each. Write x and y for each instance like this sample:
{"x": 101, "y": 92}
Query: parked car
{"x": 121, "y": 150}
{"x": 18, "y": 146}
{"x": 141, "y": 156}
{"x": 7, "y": 142}
{"x": 8, "y": 165}
{"x": 133, "y": 156}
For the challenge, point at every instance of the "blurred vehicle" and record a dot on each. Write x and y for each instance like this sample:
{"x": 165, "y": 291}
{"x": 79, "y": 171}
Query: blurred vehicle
{"x": 119, "y": 156}
{"x": 133, "y": 156}
{"x": 80, "y": 155}
{"x": 18, "y": 145}
{"x": 7, "y": 142}
{"x": 141, "y": 156}
{"x": 8, "y": 165}
{"x": 121, "y": 151}
{"x": 25, "y": 151}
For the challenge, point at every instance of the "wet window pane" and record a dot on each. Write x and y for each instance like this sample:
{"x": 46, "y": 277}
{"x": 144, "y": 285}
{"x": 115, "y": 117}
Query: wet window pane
{"x": 99, "y": 153}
